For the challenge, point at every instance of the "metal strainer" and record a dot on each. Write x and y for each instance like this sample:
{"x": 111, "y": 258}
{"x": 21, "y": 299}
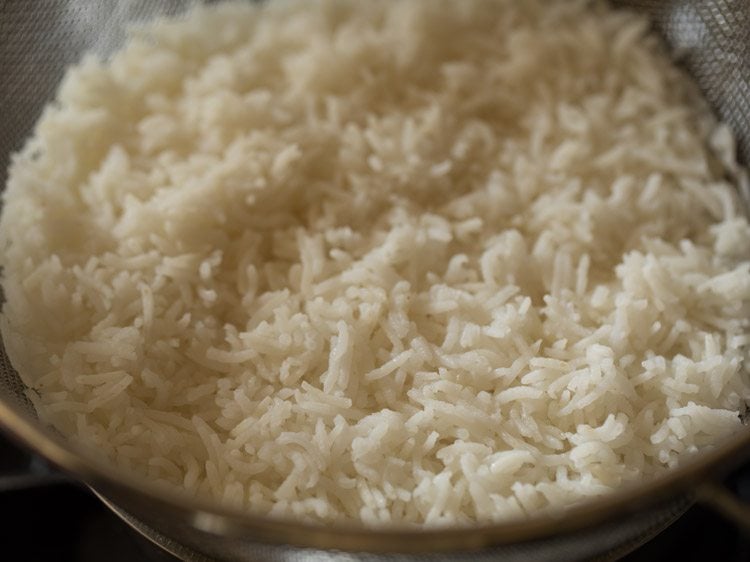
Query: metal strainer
{"x": 38, "y": 39}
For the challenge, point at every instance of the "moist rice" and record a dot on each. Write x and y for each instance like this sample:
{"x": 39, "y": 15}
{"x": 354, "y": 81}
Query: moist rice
{"x": 400, "y": 262}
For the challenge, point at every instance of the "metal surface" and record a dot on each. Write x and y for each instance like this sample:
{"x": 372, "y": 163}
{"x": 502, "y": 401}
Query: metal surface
{"x": 37, "y": 40}
{"x": 600, "y": 544}
{"x": 725, "y": 502}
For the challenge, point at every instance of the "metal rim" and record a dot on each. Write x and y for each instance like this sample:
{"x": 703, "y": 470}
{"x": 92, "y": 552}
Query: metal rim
{"x": 151, "y": 535}
{"x": 631, "y": 546}
{"x": 186, "y": 554}
{"x": 208, "y": 517}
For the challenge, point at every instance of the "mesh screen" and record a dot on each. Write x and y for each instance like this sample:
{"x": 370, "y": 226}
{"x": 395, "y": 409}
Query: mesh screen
{"x": 37, "y": 41}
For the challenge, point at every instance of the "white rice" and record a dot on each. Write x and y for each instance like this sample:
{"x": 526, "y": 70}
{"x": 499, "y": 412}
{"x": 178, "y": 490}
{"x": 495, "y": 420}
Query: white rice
{"x": 392, "y": 262}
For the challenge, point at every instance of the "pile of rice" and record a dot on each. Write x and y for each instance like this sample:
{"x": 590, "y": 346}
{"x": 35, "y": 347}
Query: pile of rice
{"x": 398, "y": 261}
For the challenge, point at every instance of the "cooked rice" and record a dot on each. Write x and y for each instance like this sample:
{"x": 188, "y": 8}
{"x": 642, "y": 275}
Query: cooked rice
{"x": 398, "y": 261}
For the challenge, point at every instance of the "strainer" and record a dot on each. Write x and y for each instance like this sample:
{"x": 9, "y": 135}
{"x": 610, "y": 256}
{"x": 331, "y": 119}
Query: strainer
{"x": 711, "y": 39}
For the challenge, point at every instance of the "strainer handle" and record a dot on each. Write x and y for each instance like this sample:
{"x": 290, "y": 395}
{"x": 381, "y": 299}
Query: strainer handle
{"x": 20, "y": 470}
{"x": 721, "y": 499}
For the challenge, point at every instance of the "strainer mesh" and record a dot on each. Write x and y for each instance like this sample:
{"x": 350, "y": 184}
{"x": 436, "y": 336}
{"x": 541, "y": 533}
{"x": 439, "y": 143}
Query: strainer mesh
{"x": 37, "y": 41}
